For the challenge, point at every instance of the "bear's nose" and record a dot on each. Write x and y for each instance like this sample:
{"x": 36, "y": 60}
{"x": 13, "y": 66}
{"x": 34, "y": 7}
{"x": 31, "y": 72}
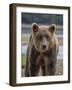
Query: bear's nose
{"x": 44, "y": 47}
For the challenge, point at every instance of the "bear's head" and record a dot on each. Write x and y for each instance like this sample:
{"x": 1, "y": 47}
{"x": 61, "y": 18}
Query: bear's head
{"x": 43, "y": 37}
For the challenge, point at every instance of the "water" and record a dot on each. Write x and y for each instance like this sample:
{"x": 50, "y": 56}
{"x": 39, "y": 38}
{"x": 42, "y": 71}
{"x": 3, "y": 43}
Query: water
{"x": 60, "y": 53}
{"x": 24, "y": 49}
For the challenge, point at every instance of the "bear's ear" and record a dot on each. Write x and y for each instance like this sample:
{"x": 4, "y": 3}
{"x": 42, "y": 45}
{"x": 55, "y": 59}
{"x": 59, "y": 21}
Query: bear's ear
{"x": 52, "y": 29}
{"x": 35, "y": 27}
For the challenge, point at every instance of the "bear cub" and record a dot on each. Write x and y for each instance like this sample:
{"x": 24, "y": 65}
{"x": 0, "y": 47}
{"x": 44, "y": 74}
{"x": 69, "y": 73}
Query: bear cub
{"x": 42, "y": 51}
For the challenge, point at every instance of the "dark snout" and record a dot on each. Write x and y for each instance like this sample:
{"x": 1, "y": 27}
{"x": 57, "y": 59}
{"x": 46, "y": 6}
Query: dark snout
{"x": 44, "y": 47}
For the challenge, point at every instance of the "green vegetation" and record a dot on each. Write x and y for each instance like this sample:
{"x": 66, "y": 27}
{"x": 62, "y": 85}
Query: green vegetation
{"x": 23, "y": 60}
{"x": 24, "y": 39}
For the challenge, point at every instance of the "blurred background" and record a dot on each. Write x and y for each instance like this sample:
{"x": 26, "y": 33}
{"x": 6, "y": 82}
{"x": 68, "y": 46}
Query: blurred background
{"x": 42, "y": 19}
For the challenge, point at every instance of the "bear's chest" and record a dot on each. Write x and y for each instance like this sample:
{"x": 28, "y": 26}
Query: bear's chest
{"x": 41, "y": 59}
{"x": 42, "y": 62}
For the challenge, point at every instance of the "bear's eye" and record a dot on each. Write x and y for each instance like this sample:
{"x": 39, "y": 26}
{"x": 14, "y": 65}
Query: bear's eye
{"x": 39, "y": 37}
{"x": 47, "y": 36}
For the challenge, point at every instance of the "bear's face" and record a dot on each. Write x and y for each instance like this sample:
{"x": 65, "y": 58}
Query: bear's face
{"x": 43, "y": 37}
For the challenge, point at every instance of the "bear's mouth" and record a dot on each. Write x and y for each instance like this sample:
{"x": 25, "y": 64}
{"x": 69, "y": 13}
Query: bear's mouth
{"x": 44, "y": 49}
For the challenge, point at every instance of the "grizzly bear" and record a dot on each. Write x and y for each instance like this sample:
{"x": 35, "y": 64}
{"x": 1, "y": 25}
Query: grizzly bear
{"x": 42, "y": 51}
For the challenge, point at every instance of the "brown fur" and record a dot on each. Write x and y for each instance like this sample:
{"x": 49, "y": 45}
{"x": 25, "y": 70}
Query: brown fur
{"x": 42, "y": 51}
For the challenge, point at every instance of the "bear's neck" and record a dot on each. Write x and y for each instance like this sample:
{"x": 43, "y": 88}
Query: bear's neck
{"x": 34, "y": 50}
